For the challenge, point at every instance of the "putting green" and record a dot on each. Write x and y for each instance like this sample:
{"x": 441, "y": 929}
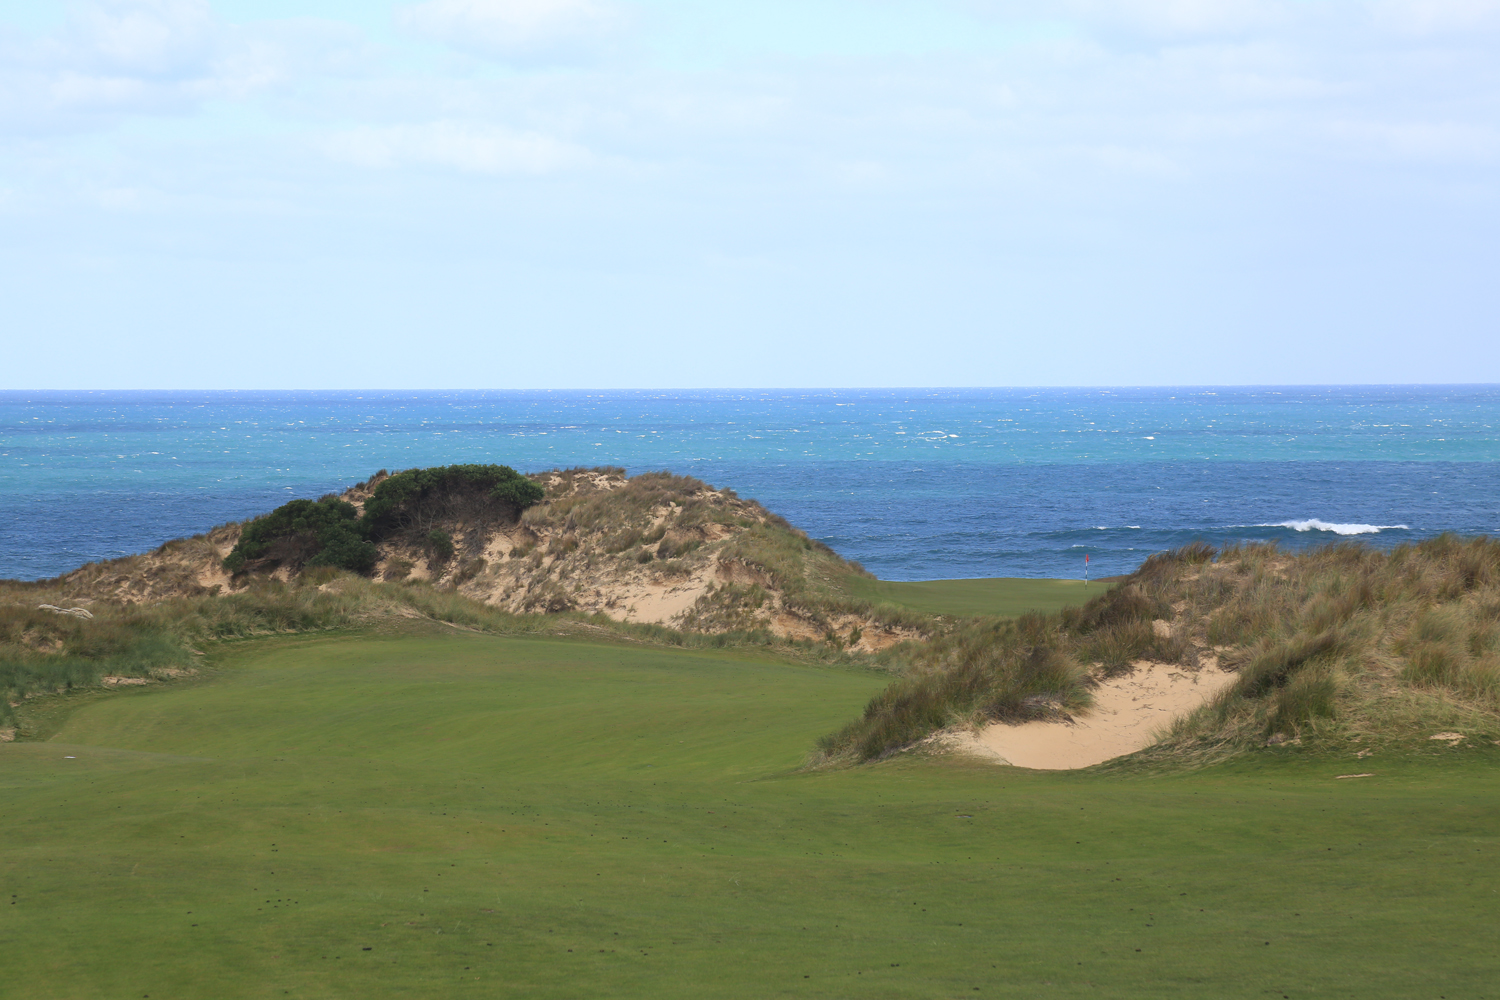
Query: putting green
{"x": 1002, "y": 596}
{"x": 470, "y": 816}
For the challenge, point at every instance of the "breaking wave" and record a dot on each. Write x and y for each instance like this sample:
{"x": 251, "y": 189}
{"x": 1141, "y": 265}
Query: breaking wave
{"x": 1313, "y": 524}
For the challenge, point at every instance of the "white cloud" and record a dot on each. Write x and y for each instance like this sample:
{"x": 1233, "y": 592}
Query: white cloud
{"x": 1261, "y": 139}
{"x": 144, "y": 38}
{"x": 1452, "y": 142}
{"x": 113, "y": 58}
{"x": 1164, "y": 20}
{"x": 514, "y": 28}
{"x": 470, "y": 147}
{"x": 1175, "y": 18}
{"x": 1430, "y": 17}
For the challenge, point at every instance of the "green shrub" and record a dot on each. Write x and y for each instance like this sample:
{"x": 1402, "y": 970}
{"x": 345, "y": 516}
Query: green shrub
{"x": 440, "y": 545}
{"x": 324, "y": 532}
{"x": 417, "y": 498}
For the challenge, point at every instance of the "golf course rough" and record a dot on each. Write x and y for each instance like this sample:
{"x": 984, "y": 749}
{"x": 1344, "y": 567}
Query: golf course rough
{"x": 456, "y": 815}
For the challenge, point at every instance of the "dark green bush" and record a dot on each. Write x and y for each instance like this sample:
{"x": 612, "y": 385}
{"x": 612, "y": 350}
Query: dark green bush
{"x": 331, "y": 532}
{"x": 417, "y": 498}
{"x": 324, "y": 532}
{"x": 440, "y": 544}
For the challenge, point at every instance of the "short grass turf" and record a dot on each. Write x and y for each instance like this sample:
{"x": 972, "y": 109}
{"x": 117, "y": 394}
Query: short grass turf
{"x": 1002, "y": 596}
{"x": 469, "y": 816}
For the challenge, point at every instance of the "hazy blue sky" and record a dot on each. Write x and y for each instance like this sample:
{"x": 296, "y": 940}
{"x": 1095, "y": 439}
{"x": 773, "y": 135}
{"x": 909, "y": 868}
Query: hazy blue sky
{"x": 665, "y": 193}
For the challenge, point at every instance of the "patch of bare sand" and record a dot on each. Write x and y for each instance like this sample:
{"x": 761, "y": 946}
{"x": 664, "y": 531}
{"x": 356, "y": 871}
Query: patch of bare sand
{"x": 661, "y": 603}
{"x": 1128, "y": 713}
{"x": 112, "y": 681}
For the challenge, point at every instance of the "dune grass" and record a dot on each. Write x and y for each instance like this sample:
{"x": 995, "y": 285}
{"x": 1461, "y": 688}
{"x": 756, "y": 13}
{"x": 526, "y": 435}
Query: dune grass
{"x": 1327, "y": 641}
{"x": 463, "y": 815}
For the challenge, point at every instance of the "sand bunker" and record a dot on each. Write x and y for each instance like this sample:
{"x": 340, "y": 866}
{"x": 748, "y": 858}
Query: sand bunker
{"x": 1128, "y": 714}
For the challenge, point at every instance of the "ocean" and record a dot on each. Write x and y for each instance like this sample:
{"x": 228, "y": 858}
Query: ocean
{"x": 914, "y": 483}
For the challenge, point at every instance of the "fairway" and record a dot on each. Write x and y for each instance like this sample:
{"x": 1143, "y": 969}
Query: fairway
{"x": 1003, "y": 596}
{"x": 460, "y": 815}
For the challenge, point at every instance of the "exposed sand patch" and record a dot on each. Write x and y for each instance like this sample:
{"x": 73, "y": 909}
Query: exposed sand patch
{"x": 110, "y": 682}
{"x": 661, "y": 605}
{"x": 1128, "y": 713}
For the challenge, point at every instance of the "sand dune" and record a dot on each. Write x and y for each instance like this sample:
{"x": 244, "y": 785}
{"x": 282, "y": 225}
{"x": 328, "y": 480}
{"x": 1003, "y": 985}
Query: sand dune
{"x": 1128, "y": 714}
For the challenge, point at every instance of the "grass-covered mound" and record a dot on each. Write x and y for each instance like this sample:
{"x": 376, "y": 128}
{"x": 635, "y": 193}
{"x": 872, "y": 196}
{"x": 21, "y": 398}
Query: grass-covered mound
{"x": 1341, "y": 641}
{"x": 600, "y": 541}
{"x": 655, "y": 547}
{"x": 448, "y": 814}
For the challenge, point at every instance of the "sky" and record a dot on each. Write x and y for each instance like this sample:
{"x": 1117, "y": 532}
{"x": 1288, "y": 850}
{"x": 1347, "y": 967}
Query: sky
{"x": 674, "y": 194}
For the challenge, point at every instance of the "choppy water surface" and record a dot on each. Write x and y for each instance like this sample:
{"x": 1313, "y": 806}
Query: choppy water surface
{"x": 916, "y": 484}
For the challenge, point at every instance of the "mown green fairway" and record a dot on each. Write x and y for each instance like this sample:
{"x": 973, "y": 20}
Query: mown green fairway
{"x": 1004, "y": 596}
{"x": 469, "y": 816}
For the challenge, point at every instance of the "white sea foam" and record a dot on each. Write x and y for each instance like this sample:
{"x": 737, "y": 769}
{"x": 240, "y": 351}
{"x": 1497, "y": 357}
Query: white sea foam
{"x": 1313, "y": 524}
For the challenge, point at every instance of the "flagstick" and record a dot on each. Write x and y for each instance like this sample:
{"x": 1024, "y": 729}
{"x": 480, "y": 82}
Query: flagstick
{"x": 1085, "y": 570}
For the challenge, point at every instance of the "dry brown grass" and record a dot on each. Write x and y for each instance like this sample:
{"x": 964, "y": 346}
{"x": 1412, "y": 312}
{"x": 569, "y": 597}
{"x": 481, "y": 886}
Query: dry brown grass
{"x": 1348, "y": 639}
{"x": 1344, "y": 639}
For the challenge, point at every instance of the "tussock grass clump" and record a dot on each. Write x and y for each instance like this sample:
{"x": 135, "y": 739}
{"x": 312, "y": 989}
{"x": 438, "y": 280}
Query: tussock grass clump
{"x": 1341, "y": 638}
{"x": 1345, "y": 636}
{"x": 990, "y": 670}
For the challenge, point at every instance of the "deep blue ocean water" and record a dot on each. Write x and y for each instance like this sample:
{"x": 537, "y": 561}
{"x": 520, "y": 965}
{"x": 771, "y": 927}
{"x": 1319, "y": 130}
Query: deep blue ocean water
{"x": 916, "y": 484}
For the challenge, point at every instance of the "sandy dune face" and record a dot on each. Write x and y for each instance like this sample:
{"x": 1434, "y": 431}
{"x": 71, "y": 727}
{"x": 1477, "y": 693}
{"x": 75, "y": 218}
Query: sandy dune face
{"x": 655, "y": 548}
{"x": 1129, "y": 714}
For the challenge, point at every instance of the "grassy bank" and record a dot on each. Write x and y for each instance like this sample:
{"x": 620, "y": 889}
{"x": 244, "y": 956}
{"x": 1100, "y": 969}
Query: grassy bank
{"x": 43, "y": 652}
{"x": 1337, "y": 641}
{"x": 464, "y": 815}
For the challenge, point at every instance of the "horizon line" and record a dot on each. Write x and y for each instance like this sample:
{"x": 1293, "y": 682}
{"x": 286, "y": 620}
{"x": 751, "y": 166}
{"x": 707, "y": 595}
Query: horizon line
{"x": 769, "y": 389}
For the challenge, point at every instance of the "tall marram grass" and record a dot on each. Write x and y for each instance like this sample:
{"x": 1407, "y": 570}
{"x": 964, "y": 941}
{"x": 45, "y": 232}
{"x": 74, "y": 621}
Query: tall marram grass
{"x": 1378, "y": 641}
{"x": 989, "y": 670}
{"x": 42, "y": 651}
{"x": 1037, "y": 666}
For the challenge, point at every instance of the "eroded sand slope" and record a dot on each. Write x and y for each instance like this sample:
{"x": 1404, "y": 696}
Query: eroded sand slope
{"x": 1128, "y": 715}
